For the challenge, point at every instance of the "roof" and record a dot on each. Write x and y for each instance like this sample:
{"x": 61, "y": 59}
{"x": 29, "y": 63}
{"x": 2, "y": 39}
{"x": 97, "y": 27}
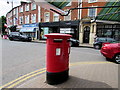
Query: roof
{"x": 110, "y": 14}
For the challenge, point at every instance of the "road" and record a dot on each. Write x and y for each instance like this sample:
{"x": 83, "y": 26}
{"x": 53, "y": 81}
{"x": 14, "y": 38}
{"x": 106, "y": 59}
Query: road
{"x": 20, "y": 58}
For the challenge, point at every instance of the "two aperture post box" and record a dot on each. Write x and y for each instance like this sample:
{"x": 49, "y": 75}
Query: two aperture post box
{"x": 57, "y": 58}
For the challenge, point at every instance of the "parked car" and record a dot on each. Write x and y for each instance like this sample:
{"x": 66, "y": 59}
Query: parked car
{"x": 19, "y": 36}
{"x": 100, "y": 40}
{"x": 74, "y": 42}
{"x": 111, "y": 52}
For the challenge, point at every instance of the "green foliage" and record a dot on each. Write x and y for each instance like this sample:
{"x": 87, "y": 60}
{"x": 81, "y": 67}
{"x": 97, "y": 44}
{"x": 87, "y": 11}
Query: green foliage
{"x": 2, "y": 22}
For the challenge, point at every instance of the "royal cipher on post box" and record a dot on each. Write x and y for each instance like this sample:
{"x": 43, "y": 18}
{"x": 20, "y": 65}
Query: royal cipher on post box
{"x": 57, "y": 58}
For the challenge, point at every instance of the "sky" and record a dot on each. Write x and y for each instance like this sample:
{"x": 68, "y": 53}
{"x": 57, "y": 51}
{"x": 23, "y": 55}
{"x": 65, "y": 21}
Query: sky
{"x": 4, "y": 7}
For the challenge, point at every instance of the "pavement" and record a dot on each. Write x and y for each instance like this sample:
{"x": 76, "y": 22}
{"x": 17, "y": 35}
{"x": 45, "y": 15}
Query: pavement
{"x": 93, "y": 75}
{"x": 81, "y": 45}
{"x": 44, "y": 41}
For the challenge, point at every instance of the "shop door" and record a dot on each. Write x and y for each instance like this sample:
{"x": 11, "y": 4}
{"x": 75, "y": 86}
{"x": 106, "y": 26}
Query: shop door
{"x": 86, "y": 34}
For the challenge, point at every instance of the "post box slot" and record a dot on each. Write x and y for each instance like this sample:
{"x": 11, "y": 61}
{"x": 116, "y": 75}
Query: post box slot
{"x": 57, "y": 40}
{"x": 68, "y": 40}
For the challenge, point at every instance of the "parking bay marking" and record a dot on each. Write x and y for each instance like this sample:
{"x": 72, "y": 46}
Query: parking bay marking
{"x": 40, "y": 71}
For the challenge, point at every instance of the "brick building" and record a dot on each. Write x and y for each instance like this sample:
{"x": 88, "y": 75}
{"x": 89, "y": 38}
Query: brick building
{"x": 36, "y": 21}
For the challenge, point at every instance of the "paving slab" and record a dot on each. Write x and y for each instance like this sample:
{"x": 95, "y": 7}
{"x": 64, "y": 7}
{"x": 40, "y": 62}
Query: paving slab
{"x": 103, "y": 75}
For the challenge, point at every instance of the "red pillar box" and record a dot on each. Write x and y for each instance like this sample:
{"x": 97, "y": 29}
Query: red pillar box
{"x": 58, "y": 49}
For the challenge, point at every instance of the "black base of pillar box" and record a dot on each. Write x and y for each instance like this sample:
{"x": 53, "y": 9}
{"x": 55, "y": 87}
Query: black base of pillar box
{"x": 57, "y": 78}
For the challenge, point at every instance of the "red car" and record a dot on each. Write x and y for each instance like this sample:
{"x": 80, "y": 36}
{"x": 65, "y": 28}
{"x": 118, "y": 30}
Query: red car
{"x": 111, "y": 52}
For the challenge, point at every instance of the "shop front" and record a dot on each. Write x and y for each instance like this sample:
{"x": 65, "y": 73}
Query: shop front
{"x": 109, "y": 30}
{"x": 31, "y": 30}
{"x": 66, "y": 27}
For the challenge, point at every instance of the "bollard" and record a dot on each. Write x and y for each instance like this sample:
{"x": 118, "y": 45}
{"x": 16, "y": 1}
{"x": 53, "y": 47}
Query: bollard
{"x": 57, "y": 58}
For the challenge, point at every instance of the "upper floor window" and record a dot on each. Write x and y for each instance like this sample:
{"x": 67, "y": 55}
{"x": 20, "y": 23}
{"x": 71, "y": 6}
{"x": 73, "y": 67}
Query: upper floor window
{"x": 27, "y": 7}
{"x": 33, "y": 18}
{"x": 56, "y": 17}
{"x": 92, "y": 12}
{"x": 33, "y": 6}
{"x": 21, "y": 20}
{"x": 92, "y": 1}
{"x": 67, "y": 18}
{"x": 21, "y": 9}
{"x": 27, "y": 19}
{"x": 47, "y": 17}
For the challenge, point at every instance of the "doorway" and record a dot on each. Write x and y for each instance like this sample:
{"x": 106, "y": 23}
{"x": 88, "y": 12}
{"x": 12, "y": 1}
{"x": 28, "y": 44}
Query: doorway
{"x": 86, "y": 34}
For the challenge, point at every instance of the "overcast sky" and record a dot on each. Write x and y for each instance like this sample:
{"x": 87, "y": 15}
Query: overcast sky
{"x": 4, "y": 7}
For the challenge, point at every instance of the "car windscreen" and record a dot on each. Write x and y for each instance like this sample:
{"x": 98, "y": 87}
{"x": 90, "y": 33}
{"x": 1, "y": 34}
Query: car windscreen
{"x": 110, "y": 40}
{"x": 14, "y": 33}
{"x": 101, "y": 39}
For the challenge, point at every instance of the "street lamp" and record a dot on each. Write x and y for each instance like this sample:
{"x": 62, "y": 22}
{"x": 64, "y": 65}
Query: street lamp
{"x": 12, "y": 11}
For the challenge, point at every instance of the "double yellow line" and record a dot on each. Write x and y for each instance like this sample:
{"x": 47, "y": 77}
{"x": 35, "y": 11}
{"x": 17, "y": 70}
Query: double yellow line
{"x": 23, "y": 78}
{"x": 38, "y": 72}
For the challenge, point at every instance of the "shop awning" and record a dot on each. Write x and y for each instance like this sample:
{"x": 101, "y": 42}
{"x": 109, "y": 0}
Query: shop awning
{"x": 28, "y": 29}
{"x": 60, "y": 24}
{"x": 52, "y": 5}
{"x": 110, "y": 14}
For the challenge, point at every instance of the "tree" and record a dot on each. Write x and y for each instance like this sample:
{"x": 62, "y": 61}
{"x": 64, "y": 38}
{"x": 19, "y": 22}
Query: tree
{"x": 2, "y": 23}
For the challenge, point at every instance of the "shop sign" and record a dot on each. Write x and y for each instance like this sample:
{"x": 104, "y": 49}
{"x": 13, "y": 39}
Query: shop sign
{"x": 31, "y": 25}
{"x": 66, "y": 30}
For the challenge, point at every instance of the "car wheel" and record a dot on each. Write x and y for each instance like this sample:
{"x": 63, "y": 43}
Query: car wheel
{"x": 117, "y": 58}
{"x": 71, "y": 44}
{"x": 97, "y": 46}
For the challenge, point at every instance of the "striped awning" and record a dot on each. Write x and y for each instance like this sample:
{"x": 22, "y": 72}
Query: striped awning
{"x": 59, "y": 3}
{"x": 110, "y": 14}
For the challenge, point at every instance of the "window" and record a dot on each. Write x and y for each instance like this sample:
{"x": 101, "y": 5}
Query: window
{"x": 67, "y": 18}
{"x": 27, "y": 7}
{"x": 33, "y": 17}
{"x": 21, "y": 9}
{"x": 33, "y": 6}
{"x": 92, "y": 12}
{"x": 21, "y": 20}
{"x": 56, "y": 17}
{"x": 47, "y": 17}
{"x": 92, "y": 1}
{"x": 27, "y": 19}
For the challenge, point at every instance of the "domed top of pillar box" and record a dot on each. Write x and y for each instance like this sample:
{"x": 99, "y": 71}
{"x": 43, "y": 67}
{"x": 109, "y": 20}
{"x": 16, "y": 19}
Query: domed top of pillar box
{"x": 58, "y": 36}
